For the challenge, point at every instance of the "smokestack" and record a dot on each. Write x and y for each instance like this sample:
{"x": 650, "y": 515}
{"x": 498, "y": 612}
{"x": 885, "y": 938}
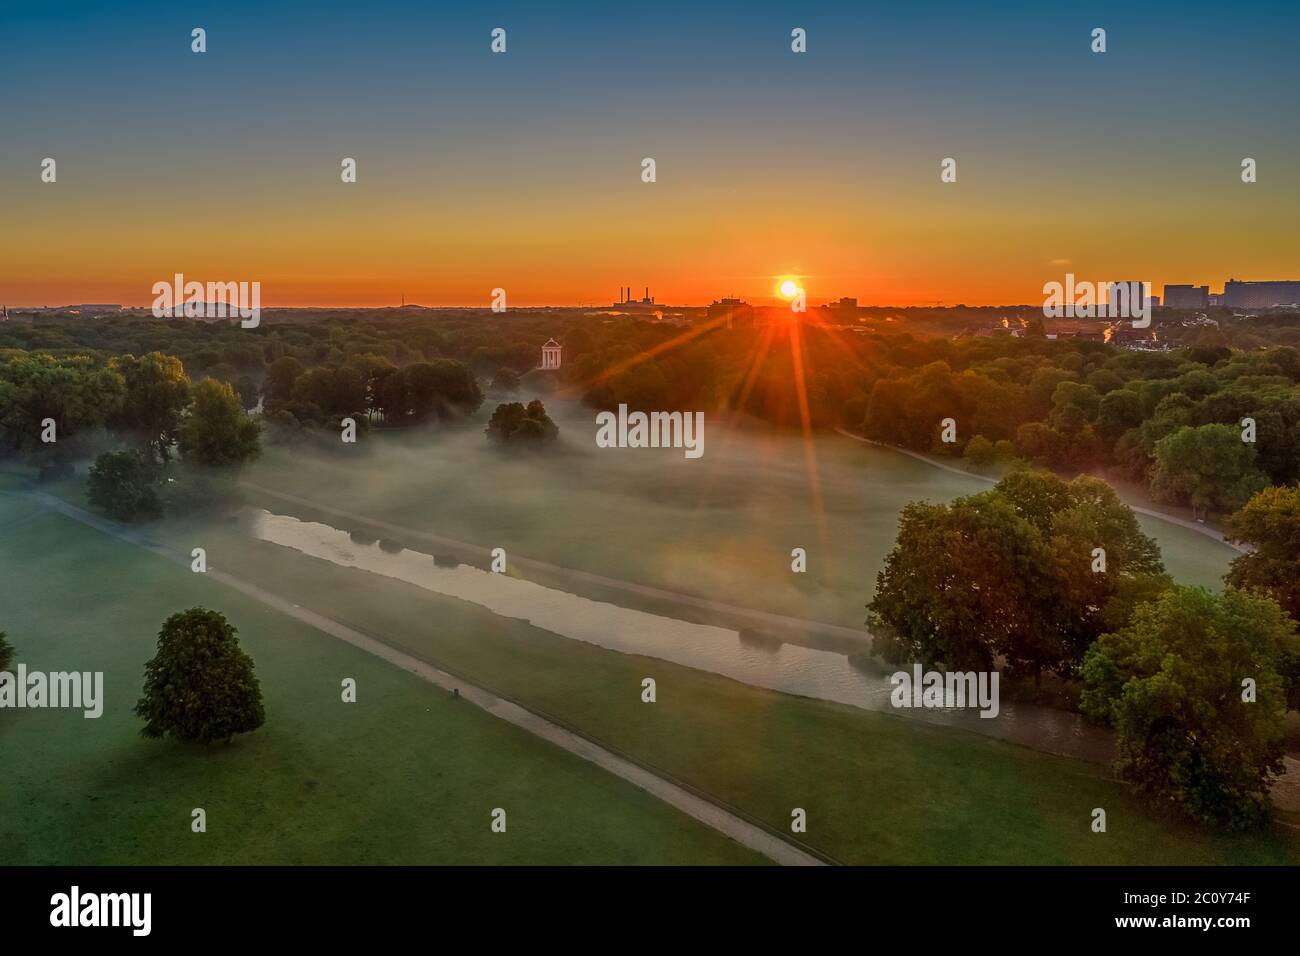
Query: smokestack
{"x": 647, "y": 293}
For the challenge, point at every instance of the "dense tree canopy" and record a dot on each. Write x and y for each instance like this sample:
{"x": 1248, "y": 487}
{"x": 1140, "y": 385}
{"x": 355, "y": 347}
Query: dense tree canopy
{"x": 124, "y": 485}
{"x": 76, "y": 393}
{"x": 516, "y": 424}
{"x": 217, "y": 430}
{"x": 1030, "y": 572}
{"x": 157, "y": 392}
{"x": 1192, "y": 732}
{"x": 1270, "y": 524}
{"x": 200, "y": 684}
{"x": 1208, "y": 467}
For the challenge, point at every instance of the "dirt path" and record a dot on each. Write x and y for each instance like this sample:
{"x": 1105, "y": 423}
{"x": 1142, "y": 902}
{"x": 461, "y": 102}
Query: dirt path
{"x": 1172, "y": 519}
{"x": 710, "y": 814}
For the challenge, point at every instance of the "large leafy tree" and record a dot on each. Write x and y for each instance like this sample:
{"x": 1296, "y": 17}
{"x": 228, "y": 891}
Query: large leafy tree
{"x": 200, "y": 684}
{"x": 1208, "y": 467}
{"x": 157, "y": 391}
{"x": 513, "y": 423}
{"x": 1171, "y": 683}
{"x": 76, "y": 392}
{"x": 280, "y": 378}
{"x": 124, "y": 485}
{"x": 217, "y": 430}
{"x": 1270, "y": 523}
{"x": 336, "y": 391}
{"x": 441, "y": 389}
{"x": 1013, "y": 573}
{"x": 964, "y": 583}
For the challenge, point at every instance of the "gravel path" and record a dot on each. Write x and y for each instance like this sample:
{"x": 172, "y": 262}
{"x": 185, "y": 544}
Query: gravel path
{"x": 709, "y": 813}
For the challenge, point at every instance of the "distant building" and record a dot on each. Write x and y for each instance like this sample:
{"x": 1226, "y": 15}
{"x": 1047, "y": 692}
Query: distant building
{"x": 551, "y": 354}
{"x": 92, "y": 308}
{"x": 1083, "y": 335}
{"x": 1132, "y": 295}
{"x": 1187, "y": 296}
{"x": 4, "y": 313}
{"x": 1260, "y": 295}
{"x": 731, "y": 313}
{"x": 843, "y": 310}
{"x": 626, "y": 301}
{"x": 1236, "y": 294}
{"x": 1117, "y": 334}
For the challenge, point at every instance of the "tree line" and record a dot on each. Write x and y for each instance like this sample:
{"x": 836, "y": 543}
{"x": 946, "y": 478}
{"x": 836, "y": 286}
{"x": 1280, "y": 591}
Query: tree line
{"x": 1040, "y": 576}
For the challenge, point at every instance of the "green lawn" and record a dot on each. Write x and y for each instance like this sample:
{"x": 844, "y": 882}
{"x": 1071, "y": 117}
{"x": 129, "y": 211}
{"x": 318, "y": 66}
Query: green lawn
{"x": 721, "y": 526}
{"x": 877, "y": 788}
{"x": 407, "y": 775}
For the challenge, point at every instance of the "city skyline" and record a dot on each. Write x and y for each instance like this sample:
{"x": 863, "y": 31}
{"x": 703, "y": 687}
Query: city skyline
{"x": 1234, "y": 292}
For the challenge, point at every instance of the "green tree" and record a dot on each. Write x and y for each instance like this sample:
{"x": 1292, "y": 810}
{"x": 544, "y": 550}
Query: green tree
{"x": 1270, "y": 523}
{"x": 1208, "y": 467}
{"x": 1013, "y": 573}
{"x": 979, "y": 452}
{"x": 515, "y": 424}
{"x": 442, "y": 388}
{"x": 1172, "y": 685}
{"x": 1120, "y": 410}
{"x": 280, "y": 378}
{"x": 124, "y": 485}
{"x": 75, "y": 392}
{"x": 217, "y": 430}
{"x": 6, "y": 652}
{"x": 200, "y": 684}
{"x": 963, "y": 584}
{"x": 157, "y": 391}
{"x": 505, "y": 380}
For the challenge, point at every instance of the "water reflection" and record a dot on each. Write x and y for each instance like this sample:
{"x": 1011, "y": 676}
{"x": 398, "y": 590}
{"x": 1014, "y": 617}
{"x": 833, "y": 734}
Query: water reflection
{"x": 745, "y": 655}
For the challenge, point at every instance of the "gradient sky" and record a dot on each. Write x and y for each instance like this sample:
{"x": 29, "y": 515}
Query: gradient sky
{"x": 523, "y": 170}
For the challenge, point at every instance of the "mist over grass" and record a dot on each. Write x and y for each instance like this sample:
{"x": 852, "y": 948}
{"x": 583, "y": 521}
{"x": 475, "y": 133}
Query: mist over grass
{"x": 721, "y": 526}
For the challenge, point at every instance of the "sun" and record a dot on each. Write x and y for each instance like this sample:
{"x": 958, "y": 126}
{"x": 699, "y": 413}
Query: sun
{"x": 789, "y": 288}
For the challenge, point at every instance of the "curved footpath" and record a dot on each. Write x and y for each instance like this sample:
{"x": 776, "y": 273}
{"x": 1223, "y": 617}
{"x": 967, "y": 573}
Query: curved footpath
{"x": 707, "y": 812}
{"x": 1183, "y": 522}
{"x": 1286, "y": 790}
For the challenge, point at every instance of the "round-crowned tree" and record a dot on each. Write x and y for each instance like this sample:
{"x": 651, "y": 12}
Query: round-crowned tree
{"x": 124, "y": 485}
{"x": 200, "y": 686}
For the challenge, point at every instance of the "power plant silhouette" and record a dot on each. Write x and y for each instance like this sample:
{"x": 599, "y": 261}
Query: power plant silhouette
{"x": 625, "y": 298}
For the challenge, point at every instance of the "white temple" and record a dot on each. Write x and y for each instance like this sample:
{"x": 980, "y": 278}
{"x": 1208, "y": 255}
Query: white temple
{"x": 551, "y": 354}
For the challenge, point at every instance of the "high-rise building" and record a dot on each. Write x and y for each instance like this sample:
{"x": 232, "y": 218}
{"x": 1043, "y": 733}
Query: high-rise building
{"x": 1187, "y": 296}
{"x": 1260, "y": 295}
{"x": 1125, "y": 297}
